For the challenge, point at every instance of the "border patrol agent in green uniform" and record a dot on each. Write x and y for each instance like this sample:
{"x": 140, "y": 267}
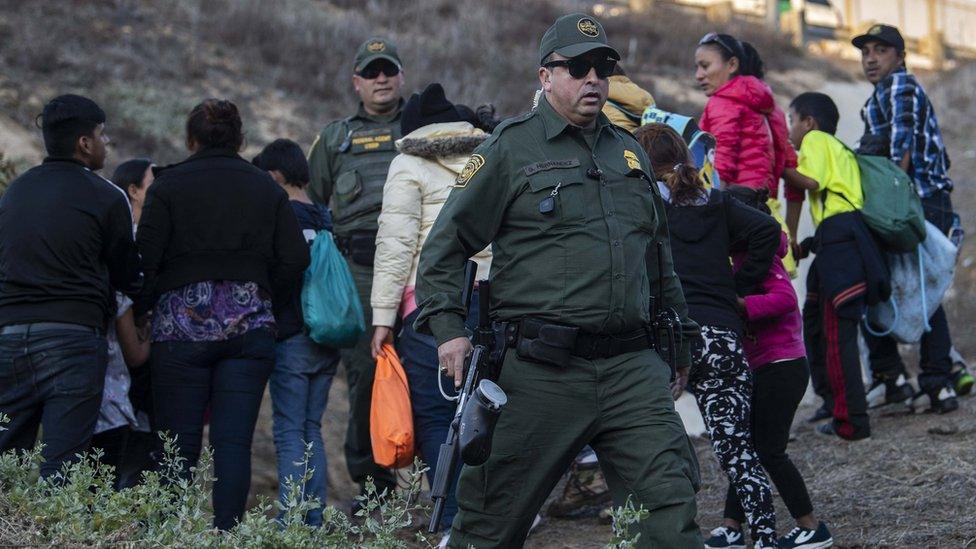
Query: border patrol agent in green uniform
{"x": 348, "y": 164}
{"x": 564, "y": 198}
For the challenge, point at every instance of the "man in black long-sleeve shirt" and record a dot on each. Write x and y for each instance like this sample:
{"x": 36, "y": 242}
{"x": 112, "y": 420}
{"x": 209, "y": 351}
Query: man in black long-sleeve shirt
{"x": 65, "y": 246}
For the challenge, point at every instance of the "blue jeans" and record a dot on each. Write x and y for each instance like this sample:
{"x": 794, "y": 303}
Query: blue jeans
{"x": 228, "y": 377}
{"x": 300, "y": 385}
{"x": 432, "y": 413}
{"x": 51, "y": 379}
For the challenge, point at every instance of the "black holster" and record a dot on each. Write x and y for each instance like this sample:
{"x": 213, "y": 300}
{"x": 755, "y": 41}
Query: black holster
{"x": 550, "y": 344}
{"x": 359, "y": 246}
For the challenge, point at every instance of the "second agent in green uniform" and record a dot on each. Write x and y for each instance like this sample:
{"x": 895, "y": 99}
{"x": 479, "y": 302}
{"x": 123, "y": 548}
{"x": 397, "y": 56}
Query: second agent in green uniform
{"x": 565, "y": 200}
{"x": 347, "y": 167}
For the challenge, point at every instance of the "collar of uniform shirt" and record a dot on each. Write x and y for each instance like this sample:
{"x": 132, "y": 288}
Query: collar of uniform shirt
{"x": 556, "y": 124}
{"x": 361, "y": 113}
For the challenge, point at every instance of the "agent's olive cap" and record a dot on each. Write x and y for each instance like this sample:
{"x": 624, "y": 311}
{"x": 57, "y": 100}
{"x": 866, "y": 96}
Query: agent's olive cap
{"x": 376, "y": 48}
{"x": 572, "y": 35}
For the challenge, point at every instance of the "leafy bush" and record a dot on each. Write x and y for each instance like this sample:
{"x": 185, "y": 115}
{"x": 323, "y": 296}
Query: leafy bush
{"x": 78, "y": 507}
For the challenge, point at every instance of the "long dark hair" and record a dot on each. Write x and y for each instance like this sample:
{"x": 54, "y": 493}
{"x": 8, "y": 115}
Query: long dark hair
{"x": 671, "y": 162}
{"x": 216, "y": 124}
{"x": 130, "y": 172}
{"x": 728, "y": 46}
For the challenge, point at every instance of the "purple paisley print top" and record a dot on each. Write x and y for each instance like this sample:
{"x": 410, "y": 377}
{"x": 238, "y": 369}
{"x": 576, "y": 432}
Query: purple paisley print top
{"x": 214, "y": 310}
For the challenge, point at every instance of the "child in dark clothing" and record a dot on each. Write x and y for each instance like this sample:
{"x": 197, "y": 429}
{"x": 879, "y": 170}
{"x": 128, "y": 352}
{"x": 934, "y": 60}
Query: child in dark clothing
{"x": 848, "y": 269}
{"x": 704, "y": 228}
{"x": 303, "y": 369}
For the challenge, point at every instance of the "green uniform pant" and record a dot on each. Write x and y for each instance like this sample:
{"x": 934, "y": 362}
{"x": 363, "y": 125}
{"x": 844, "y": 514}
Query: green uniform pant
{"x": 360, "y": 369}
{"x": 620, "y": 406}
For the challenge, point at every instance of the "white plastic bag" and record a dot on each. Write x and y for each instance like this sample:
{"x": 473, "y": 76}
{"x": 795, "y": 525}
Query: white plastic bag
{"x": 906, "y": 314}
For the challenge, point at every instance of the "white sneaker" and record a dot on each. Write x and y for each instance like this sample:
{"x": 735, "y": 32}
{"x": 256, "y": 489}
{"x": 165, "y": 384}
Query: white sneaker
{"x": 444, "y": 540}
{"x": 725, "y": 538}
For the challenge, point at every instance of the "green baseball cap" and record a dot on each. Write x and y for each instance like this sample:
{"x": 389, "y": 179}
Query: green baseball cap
{"x": 376, "y": 48}
{"x": 572, "y": 35}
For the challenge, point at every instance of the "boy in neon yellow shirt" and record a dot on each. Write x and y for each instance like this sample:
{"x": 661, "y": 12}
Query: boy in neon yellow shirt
{"x": 848, "y": 269}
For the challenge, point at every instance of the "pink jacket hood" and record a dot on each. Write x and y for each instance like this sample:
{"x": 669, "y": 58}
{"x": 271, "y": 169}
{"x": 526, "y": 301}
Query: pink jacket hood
{"x": 749, "y": 91}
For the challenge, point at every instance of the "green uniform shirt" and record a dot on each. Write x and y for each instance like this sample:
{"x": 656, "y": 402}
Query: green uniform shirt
{"x": 572, "y": 226}
{"x": 348, "y": 163}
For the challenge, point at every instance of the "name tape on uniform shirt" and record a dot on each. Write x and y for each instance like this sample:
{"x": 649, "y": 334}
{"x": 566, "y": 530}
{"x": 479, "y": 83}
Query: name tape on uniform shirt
{"x": 371, "y": 141}
{"x": 474, "y": 164}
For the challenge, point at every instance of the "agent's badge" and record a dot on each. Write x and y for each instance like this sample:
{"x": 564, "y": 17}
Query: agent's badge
{"x": 632, "y": 162}
{"x": 474, "y": 164}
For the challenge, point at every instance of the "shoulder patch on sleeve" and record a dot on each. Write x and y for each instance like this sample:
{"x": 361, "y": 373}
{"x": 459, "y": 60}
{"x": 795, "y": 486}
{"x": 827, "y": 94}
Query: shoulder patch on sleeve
{"x": 474, "y": 164}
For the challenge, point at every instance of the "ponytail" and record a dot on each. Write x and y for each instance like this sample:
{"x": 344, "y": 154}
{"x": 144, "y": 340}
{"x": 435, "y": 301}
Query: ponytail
{"x": 684, "y": 182}
{"x": 750, "y": 64}
{"x": 671, "y": 162}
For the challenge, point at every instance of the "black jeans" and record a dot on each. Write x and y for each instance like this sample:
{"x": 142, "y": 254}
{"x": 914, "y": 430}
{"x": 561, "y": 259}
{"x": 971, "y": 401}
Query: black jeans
{"x": 51, "y": 379}
{"x": 229, "y": 377}
{"x": 934, "y": 360}
{"x": 113, "y": 443}
{"x": 777, "y": 391}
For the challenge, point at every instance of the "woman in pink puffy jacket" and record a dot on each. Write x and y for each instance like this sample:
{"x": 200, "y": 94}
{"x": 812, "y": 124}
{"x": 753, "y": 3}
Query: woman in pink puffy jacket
{"x": 752, "y": 139}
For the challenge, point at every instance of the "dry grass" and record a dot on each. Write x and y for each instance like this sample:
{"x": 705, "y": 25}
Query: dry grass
{"x": 287, "y": 64}
{"x": 911, "y": 485}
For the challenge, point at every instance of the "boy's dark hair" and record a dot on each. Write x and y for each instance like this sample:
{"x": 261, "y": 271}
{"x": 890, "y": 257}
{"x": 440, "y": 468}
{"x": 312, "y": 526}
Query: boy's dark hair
{"x": 216, "y": 124}
{"x": 820, "y": 107}
{"x": 130, "y": 172}
{"x": 66, "y": 118}
{"x": 284, "y": 156}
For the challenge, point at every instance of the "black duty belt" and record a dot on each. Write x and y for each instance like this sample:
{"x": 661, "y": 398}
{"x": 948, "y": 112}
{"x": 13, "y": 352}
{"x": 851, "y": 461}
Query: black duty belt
{"x": 590, "y": 346}
{"x": 360, "y": 246}
{"x": 34, "y": 327}
{"x": 550, "y": 343}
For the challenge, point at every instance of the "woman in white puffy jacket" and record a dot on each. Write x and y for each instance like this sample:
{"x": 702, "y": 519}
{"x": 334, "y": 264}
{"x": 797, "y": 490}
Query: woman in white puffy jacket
{"x": 438, "y": 140}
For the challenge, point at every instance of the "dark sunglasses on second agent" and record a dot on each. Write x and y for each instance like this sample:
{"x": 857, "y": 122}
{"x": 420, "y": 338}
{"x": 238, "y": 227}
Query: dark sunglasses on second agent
{"x": 579, "y": 67}
{"x": 373, "y": 70}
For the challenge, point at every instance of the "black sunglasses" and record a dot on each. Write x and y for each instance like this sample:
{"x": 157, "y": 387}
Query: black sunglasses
{"x": 715, "y": 38}
{"x": 579, "y": 67}
{"x": 373, "y": 70}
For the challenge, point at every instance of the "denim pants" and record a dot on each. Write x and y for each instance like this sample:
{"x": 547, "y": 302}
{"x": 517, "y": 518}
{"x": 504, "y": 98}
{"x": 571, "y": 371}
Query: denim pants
{"x": 300, "y": 384}
{"x": 934, "y": 361}
{"x": 51, "y": 379}
{"x": 228, "y": 377}
{"x": 432, "y": 413}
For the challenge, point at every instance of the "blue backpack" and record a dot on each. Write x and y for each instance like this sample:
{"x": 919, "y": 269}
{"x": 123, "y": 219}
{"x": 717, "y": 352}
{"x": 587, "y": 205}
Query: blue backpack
{"x": 701, "y": 144}
{"x": 330, "y": 303}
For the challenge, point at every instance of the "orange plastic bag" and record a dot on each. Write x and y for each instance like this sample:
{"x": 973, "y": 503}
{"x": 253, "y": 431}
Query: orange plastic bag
{"x": 390, "y": 415}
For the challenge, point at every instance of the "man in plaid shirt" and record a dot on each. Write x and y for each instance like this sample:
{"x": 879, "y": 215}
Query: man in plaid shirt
{"x": 899, "y": 122}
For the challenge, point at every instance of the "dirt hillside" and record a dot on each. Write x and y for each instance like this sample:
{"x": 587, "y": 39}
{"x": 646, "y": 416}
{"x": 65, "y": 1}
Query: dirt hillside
{"x": 911, "y": 485}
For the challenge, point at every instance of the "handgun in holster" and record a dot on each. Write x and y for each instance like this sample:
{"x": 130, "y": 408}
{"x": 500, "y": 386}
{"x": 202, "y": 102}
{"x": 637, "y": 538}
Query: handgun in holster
{"x": 665, "y": 324}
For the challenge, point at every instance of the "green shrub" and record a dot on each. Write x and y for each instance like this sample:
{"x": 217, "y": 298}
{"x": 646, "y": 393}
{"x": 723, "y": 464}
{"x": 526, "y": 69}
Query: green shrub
{"x": 78, "y": 507}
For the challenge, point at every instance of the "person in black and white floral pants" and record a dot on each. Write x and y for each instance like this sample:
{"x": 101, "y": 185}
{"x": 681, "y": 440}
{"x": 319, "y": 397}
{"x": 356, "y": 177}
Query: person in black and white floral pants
{"x": 722, "y": 384}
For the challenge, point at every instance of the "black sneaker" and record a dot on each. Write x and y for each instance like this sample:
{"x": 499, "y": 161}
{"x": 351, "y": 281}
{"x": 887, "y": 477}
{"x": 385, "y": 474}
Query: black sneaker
{"x": 942, "y": 401}
{"x": 827, "y": 429}
{"x": 822, "y": 413}
{"x": 725, "y": 538}
{"x": 801, "y": 538}
{"x": 889, "y": 391}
